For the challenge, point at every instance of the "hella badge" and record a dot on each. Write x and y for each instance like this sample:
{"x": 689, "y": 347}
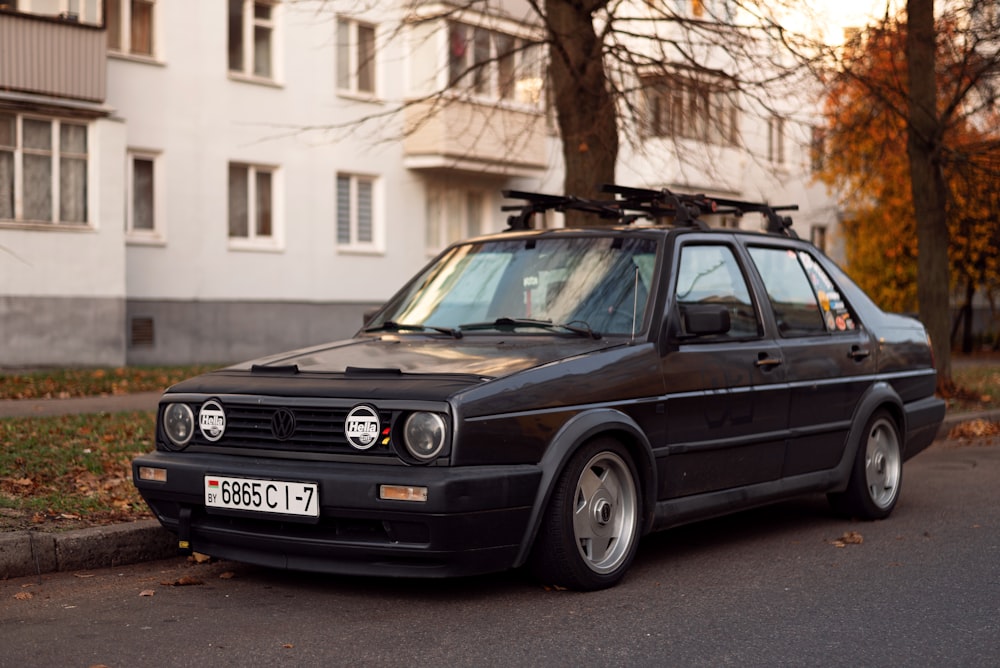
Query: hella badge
{"x": 212, "y": 420}
{"x": 362, "y": 427}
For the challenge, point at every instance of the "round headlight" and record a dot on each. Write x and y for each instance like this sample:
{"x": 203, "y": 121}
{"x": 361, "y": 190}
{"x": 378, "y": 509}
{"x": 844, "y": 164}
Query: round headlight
{"x": 178, "y": 424}
{"x": 424, "y": 435}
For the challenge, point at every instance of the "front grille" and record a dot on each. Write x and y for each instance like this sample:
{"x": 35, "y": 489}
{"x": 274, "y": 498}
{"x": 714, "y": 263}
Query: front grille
{"x": 317, "y": 429}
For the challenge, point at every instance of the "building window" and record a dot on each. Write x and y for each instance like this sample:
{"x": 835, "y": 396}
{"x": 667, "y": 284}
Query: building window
{"x": 142, "y": 221}
{"x": 776, "y": 140}
{"x": 130, "y": 26}
{"x": 817, "y": 235}
{"x": 44, "y": 168}
{"x": 685, "y": 108}
{"x": 494, "y": 65}
{"x": 251, "y": 38}
{"x": 251, "y": 194}
{"x": 356, "y": 222}
{"x": 453, "y": 214}
{"x": 77, "y": 11}
{"x": 355, "y": 57}
{"x": 817, "y": 149}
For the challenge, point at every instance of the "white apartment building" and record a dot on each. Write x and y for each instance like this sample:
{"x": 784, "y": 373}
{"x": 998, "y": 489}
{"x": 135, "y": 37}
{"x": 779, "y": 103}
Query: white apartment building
{"x": 211, "y": 180}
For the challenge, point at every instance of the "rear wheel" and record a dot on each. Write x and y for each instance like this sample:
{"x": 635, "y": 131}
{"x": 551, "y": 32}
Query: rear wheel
{"x": 590, "y": 530}
{"x": 877, "y": 474}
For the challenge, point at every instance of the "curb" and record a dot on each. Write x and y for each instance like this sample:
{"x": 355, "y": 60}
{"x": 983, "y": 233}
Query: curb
{"x": 24, "y": 553}
{"x": 35, "y": 552}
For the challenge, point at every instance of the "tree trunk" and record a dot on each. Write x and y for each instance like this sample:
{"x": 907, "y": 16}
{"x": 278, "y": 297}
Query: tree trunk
{"x": 924, "y": 135}
{"x": 585, "y": 108}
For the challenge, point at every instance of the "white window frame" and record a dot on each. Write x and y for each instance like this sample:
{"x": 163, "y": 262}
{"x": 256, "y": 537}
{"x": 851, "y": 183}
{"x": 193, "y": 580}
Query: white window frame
{"x": 156, "y": 234}
{"x": 444, "y": 201}
{"x": 355, "y": 245}
{"x": 352, "y": 50}
{"x": 54, "y": 153}
{"x": 248, "y": 25}
{"x": 253, "y": 239}
{"x": 125, "y": 46}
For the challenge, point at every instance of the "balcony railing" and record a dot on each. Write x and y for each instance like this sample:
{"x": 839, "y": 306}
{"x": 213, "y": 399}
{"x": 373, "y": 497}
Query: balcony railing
{"x": 469, "y": 136}
{"x": 52, "y": 57}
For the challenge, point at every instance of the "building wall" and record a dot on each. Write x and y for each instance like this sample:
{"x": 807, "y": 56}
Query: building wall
{"x": 222, "y": 332}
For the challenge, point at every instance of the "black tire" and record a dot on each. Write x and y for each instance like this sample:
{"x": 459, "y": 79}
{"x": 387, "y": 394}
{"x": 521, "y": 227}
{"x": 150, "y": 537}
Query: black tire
{"x": 877, "y": 473}
{"x": 590, "y": 530}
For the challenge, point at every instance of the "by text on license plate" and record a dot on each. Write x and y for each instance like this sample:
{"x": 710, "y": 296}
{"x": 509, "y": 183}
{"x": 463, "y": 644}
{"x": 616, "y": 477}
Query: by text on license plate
{"x": 264, "y": 496}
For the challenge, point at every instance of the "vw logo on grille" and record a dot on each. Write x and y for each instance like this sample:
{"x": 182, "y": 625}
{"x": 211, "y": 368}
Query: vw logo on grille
{"x": 283, "y": 424}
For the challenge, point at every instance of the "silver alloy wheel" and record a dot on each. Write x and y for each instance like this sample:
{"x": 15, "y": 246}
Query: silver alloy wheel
{"x": 883, "y": 463}
{"x": 605, "y": 512}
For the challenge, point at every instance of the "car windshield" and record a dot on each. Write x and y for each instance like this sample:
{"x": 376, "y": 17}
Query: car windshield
{"x": 589, "y": 284}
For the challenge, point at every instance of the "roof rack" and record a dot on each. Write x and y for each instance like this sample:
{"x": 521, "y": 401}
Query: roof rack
{"x": 631, "y": 204}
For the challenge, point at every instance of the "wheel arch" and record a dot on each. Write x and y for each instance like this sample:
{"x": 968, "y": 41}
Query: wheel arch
{"x": 880, "y": 396}
{"x": 578, "y": 430}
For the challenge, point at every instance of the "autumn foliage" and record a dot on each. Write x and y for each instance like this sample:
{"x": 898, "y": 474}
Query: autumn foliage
{"x": 865, "y": 158}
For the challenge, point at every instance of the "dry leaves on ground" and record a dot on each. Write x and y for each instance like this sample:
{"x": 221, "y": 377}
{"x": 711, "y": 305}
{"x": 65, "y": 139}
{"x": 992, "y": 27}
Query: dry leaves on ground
{"x": 849, "y": 538}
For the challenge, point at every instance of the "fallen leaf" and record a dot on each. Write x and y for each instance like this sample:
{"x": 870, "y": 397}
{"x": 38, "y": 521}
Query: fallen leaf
{"x": 24, "y": 595}
{"x": 183, "y": 581}
{"x": 228, "y": 575}
{"x": 24, "y": 482}
{"x": 147, "y": 592}
{"x": 199, "y": 558}
{"x": 849, "y": 538}
{"x": 83, "y": 575}
{"x": 288, "y": 645}
{"x": 68, "y": 516}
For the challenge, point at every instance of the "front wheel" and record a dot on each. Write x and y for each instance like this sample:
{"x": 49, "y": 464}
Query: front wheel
{"x": 877, "y": 473}
{"x": 590, "y": 530}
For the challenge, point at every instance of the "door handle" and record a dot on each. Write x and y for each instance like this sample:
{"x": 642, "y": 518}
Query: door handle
{"x": 766, "y": 363}
{"x": 858, "y": 353}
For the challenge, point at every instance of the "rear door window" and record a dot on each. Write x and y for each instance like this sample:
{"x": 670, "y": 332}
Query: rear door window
{"x": 804, "y": 300}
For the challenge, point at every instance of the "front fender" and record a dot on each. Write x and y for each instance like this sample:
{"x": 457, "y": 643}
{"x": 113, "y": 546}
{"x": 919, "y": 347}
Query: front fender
{"x": 578, "y": 430}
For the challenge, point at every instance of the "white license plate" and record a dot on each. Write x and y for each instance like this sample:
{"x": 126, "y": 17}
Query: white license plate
{"x": 263, "y": 496}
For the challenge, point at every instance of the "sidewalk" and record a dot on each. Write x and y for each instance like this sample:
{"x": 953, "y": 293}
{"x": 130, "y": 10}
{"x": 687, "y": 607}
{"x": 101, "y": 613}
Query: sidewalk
{"x": 140, "y": 401}
{"x": 24, "y": 553}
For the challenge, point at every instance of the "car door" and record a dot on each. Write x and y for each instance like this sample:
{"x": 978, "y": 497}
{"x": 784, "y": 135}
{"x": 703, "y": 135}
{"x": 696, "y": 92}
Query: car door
{"x": 727, "y": 405}
{"x": 829, "y": 356}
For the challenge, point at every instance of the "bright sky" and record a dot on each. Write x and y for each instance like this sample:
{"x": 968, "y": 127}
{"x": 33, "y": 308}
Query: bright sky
{"x": 832, "y": 16}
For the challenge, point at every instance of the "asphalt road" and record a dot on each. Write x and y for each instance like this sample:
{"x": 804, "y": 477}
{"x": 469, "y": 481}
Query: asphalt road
{"x": 770, "y": 587}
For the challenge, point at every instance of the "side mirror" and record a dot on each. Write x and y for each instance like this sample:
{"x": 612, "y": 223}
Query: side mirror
{"x": 705, "y": 319}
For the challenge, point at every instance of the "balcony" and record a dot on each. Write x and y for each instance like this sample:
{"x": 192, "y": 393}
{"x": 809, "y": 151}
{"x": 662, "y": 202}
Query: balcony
{"x": 52, "y": 57}
{"x": 474, "y": 137}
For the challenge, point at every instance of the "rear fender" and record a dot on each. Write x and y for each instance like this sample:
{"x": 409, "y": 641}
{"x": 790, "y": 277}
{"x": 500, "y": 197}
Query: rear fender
{"x": 879, "y": 395}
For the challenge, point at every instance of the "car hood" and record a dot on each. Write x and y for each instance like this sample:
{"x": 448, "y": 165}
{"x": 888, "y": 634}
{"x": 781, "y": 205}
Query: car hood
{"x": 392, "y": 366}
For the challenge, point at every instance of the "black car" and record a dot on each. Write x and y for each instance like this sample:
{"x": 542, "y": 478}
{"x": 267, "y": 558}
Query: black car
{"x": 546, "y": 397}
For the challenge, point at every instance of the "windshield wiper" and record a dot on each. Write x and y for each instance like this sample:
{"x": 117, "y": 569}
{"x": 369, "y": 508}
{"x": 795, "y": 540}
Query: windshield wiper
{"x": 510, "y": 324}
{"x": 392, "y": 326}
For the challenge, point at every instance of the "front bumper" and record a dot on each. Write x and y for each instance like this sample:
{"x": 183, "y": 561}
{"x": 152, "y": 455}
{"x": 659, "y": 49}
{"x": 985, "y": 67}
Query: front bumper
{"x": 474, "y": 519}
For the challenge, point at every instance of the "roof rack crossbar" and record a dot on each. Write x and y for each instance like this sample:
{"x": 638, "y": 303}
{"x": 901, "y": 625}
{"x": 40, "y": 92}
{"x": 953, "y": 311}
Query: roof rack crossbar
{"x": 630, "y": 204}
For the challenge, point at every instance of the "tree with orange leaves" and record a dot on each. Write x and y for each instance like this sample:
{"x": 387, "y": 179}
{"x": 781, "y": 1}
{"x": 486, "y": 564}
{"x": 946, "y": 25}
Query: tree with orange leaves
{"x": 866, "y": 159}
